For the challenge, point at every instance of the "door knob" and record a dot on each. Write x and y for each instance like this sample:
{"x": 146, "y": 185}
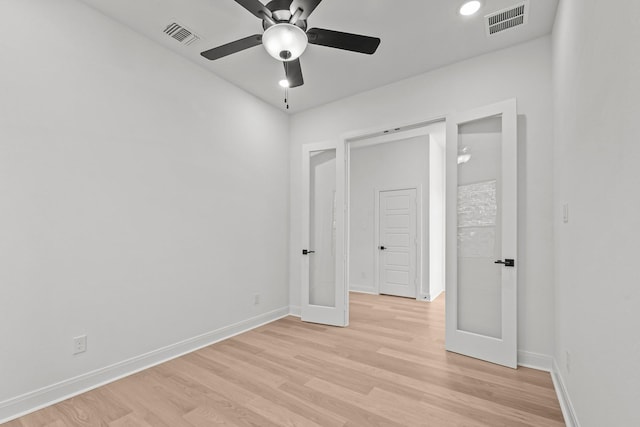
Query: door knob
{"x": 307, "y": 252}
{"x": 507, "y": 262}
{"x": 382, "y": 248}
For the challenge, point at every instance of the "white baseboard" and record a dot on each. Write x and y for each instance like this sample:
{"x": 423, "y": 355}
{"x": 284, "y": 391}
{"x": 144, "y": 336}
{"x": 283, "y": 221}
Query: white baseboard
{"x": 541, "y": 362}
{"x": 570, "y": 418}
{"x": 294, "y": 310}
{"x": 435, "y": 295}
{"x": 54, "y": 393}
{"x": 362, "y": 290}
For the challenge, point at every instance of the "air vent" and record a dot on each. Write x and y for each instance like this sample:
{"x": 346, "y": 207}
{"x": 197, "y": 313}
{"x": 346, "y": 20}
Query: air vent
{"x": 506, "y": 19}
{"x": 180, "y": 33}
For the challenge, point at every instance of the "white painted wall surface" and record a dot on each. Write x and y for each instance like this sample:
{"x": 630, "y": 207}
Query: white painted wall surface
{"x": 142, "y": 200}
{"x": 596, "y": 167}
{"x": 392, "y": 165}
{"x": 523, "y": 72}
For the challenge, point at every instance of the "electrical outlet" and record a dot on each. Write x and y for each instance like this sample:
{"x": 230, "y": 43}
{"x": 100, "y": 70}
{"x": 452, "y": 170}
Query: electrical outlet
{"x": 567, "y": 357}
{"x": 79, "y": 344}
{"x": 256, "y": 299}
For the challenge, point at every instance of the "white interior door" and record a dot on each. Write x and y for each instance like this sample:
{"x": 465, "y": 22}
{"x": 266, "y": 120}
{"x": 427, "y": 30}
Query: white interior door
{"x": 323, "y": 284}
{"x": 481, "y": 275}
{"x": 397, "y": 242}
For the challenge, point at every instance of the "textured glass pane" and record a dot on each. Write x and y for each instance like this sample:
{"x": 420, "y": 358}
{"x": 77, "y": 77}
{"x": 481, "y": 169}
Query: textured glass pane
{"x": 322, "y": 263}
{"x": 479, "y": 227}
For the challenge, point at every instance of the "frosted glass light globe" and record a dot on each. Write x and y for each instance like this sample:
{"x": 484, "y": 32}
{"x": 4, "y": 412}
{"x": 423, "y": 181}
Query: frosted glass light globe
{"x": 285, "y": 42}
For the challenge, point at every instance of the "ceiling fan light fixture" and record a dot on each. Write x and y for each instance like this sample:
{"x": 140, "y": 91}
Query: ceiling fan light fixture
{"x": 469, "y": 8}
{"x": 285, "y": 42}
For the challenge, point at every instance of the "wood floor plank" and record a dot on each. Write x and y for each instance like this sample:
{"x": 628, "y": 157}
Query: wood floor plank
{"x": 388, "y": 368}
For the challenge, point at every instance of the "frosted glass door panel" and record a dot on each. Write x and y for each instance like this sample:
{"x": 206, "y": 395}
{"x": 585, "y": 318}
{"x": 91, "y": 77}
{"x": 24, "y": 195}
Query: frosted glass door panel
{"x": 479, "y": 227}
{"x": 482, "y": 238}
{"x": 322, "y": 228}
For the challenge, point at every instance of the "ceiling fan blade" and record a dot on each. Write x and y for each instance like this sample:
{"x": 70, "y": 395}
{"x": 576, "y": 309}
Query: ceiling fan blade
{"x": 307, "y": 7}
{"x": 344, "y": 41}
{"x": 233, "y": 47}
{"x": 293, "y": 72}
{"x": 255, "y": 7}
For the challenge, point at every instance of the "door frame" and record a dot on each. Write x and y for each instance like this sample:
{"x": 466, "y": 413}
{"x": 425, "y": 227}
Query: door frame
{"x": 377, "y": 135}
{"x": 419, "y": 236}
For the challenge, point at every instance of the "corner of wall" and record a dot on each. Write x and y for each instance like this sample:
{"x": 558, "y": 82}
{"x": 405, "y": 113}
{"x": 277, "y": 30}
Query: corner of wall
{"x": 570, "y": 418}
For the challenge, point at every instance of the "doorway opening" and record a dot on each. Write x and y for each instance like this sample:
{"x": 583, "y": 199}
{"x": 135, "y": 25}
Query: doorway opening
{"x": 479, "y": 195}
{"x": 395, "y": 212}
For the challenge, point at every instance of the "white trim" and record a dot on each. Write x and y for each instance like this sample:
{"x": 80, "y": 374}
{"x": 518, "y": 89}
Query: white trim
{"x": 395, "y": 136}
{"x": 529, "y": 359}
{"x": 390, "y": 129}
{"x": 432, "y": 298}
{"x": 570, "y": 418}
{"x": 294, "y": 310}
{"x": 54, "y": 393}
{"x": 362, "y": 290}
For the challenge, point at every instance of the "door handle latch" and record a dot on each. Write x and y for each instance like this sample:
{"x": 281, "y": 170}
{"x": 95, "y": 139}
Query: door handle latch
{"x": 507, "y": 262}
{"x": 307, "y": 252}
{"x": 382, "y": 248}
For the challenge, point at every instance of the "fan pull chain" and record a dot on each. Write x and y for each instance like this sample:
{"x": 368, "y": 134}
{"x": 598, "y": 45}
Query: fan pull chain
{"x": 286, "y": 97}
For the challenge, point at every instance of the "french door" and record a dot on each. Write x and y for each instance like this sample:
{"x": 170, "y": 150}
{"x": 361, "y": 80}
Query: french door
{"x": 323, "y": 218}
{"x": 481, "y": 254}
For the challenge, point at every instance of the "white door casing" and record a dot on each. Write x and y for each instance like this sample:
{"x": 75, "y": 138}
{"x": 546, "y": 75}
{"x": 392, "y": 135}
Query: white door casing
{"x": 397, "y": 240}
{"x": 481, "y": 228}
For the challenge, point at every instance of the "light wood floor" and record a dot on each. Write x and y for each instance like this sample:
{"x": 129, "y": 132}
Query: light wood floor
{"x": 388, "y": 368}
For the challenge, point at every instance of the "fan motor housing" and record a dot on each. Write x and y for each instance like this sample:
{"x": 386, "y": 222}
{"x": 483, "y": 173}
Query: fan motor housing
{"x": 281, "y": 12}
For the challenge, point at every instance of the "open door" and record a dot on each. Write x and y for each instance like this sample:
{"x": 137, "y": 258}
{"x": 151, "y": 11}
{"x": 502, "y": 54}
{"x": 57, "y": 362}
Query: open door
{"x": 323, "y": 283}
{"x": 481, "y": 274}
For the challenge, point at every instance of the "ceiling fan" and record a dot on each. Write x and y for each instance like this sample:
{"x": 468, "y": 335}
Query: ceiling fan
{"x": 286, "y": 36}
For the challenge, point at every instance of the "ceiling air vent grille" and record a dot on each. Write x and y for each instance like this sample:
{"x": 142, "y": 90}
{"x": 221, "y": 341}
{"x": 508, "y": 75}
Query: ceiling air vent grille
{"x": 507, "y": 18}
{"x": 181, "y": 34}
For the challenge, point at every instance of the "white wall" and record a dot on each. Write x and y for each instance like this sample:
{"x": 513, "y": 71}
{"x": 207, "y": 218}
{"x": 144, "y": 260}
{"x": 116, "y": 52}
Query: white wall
{"x": 524, "y": 72}
{"x": 596, "y": 164}
{"x": 392, "y": 165}
{"x": 135, "y": 190}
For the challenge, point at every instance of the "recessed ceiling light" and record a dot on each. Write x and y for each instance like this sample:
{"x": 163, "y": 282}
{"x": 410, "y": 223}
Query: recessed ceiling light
{"x": 284, "y": 83}
{"x": 470, "y": 7}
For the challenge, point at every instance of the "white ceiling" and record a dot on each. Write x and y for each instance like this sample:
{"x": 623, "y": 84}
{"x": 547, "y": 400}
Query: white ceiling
{"x": 417, "y": 36}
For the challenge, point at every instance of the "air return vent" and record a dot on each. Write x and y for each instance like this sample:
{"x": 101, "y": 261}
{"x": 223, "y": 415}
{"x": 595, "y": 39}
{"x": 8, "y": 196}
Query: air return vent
{"x": 180, "y": 33}
{"x": 506, "y": 19}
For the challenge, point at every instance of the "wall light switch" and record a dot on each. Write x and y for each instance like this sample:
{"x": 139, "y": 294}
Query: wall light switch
{"x": 565, "y": 213}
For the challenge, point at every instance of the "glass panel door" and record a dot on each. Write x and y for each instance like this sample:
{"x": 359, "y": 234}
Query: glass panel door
{"x": 323, "y": 290}
{"x": 479, "y": 229}
{"x": 322, "y": 228}
{"x": 481, "y": 293}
